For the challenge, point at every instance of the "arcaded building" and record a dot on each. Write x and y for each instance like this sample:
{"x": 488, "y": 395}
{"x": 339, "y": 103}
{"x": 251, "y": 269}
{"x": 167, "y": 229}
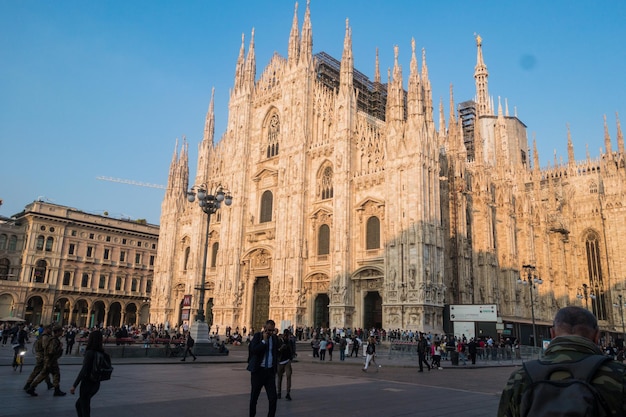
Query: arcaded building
{"x": 59, "y": 264}
{"x": 357, "y": 204}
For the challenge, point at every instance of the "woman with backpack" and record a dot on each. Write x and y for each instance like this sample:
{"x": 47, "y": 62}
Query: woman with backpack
{"x": 88, "y": 387}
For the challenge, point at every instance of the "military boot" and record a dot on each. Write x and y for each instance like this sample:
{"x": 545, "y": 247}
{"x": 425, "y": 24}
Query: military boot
{"x": 58, "y": 392}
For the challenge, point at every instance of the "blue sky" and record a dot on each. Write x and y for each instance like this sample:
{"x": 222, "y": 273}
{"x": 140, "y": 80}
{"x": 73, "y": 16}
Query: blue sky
{"x": 104, "y": 88}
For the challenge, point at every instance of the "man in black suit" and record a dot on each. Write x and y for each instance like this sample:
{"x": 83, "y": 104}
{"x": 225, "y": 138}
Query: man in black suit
{"x": 262, "y": 364}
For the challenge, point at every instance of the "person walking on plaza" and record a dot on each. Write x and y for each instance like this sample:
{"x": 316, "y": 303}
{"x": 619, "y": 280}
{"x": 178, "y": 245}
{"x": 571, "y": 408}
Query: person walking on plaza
{"x": 52, "y": 353}
{"x": 262, "y": 364}
{"x": 422, "y": 346}
{"x": 356, "y": 344}
{"x": 323, "y": 344}
{"x": 286, "y": 351}
{"x": 370, "y": 352}
{"x": 70, "y": 338}
{"x": 188, "y": 345}
{"x": 18, "y": 342}
{"x": 472, "y": 348}
{"x": 342, "y": 348}
{"x": 88, "y": 387}
{"x": 575, "y": 336}
{"x": 40, "y": 350}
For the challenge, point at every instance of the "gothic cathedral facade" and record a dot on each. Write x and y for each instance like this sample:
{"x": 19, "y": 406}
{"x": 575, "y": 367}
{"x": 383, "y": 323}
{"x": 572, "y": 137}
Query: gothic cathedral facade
{"x": 354, "y": 207}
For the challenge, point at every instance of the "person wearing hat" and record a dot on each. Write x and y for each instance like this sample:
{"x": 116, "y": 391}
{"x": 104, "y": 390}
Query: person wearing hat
{"x": 52, "y": 353}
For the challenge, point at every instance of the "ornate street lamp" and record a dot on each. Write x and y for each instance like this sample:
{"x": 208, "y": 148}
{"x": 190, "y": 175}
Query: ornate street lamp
{"x": 532, "y": 281}
{"x": 209, "y": 201}
{"x": 586, "y": 292}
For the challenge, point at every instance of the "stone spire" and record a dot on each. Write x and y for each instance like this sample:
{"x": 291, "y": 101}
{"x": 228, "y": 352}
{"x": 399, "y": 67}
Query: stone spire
{"x": 377, "y": 69}
{"x": 427, "y": 91}
{"x": 306, "y": 45}
{"x": 250, "y": 67}
{"x": 294, "y": 40}
{"x": 209, "y": 122}
{"x": 395, "y": 92}
{"x": 481, "y": 75}
{"x": 607, "y": 138}
{"x": 346, "y": 76}
{"x": 442, "y": 119}
{"x": 620, "y": 136}
{"x": 535, "y": 155}
{"x": 413, "y": 95}
{"x": 239, "y": 69}
{"x": 452, "y": 114}
{"x": 570, "y": 148}
{"x": 178, "y": 178}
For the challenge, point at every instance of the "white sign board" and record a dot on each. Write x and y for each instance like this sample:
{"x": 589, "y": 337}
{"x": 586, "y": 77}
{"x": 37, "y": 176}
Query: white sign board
{"x": 473, "y": 312}
{"x": 464, "y": 328}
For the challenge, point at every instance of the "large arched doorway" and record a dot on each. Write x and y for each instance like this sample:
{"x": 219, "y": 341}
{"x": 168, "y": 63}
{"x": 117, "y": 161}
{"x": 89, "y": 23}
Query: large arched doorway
{"x": 320, "y": 311}
{"x": 34, "y": 309}
{"x": 373, "y": 310}
{"x": 114, "y": 318}
{"x": 81, "y": 309}
{"x": 98, "y": 311}
{"x": 261, "y": 302}
{"x": 144, "y": 314}
{"x": 6, "y": 305}
{"x": 131, "y": 314}
{"x": 61, "y": 311}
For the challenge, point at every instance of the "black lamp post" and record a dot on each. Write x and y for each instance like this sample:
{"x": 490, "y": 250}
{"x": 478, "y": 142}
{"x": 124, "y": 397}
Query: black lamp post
{"x": 210, "y": 202}
{"x": 532, "y": 281}
{"x": 586, "y": 292}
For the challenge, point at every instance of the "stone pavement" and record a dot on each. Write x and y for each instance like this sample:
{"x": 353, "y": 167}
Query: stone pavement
{"x": 220, "y": 386}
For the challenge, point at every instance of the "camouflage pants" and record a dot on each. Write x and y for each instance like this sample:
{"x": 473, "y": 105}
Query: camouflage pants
{"x": 36, "y": 371}
{"x": 49, "y": 368}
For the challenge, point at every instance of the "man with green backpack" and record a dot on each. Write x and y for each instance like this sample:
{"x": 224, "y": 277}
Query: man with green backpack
{"x": 573, "y": 379}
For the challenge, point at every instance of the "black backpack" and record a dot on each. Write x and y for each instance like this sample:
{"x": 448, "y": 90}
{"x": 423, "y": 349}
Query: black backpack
{"x": 101, "y": 369}
{"x": 571, "y": 397}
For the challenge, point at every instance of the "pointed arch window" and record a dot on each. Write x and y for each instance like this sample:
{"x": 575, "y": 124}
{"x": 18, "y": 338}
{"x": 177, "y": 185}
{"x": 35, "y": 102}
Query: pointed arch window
{"x": 596, "y": 279}
{"x": 133, "y": 285}
{"x": 148, "y": 286}
{"x": 273, "y": 133}
{"x": 323, "y": 240}
{"x": 40, "y": 242}
{"x": 3, "y": 242}
{"x": 267, "y": 201}
{"x": 372, "y": 234}
{"x": 186, "y": 259}
{"x": 40, "y": 271}
{"x": 214, "y": 248}
{"x": 326, "y": 184}
{"x": 118, "y": 283}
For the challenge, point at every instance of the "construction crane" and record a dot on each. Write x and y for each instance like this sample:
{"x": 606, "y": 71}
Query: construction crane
{"x": 131, "y": 182}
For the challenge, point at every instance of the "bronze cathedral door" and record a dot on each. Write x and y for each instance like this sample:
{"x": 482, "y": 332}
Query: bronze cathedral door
{"x": 261, "y": 303}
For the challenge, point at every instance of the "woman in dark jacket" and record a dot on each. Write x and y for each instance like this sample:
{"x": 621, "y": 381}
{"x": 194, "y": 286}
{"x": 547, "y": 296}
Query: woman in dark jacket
{"x": 88, "y": 388}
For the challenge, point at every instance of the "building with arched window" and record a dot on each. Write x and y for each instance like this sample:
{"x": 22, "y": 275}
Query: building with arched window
{"x": 59, "y": 264}
{"x": 357, "y": 203}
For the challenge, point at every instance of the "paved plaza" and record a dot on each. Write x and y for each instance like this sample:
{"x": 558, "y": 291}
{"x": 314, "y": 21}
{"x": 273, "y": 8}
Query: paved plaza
{"x": 219, "y": 386}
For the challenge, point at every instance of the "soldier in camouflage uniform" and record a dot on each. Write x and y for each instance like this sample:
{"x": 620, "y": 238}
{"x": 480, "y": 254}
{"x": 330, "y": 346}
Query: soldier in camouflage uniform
{"x": 53, "y": 351}
{"x": 575, "y": 335}
{"x": 40, "y": 346}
